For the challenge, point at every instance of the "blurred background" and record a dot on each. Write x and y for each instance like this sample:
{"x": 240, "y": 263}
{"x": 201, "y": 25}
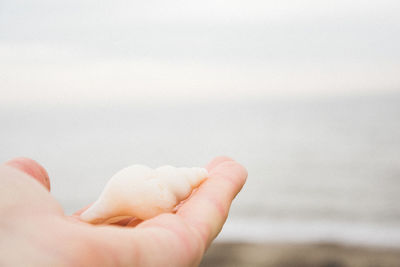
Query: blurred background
{"x": 305, "y": 94}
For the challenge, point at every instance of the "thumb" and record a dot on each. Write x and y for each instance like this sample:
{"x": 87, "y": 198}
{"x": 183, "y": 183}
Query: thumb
{"x": 32, "y": 168}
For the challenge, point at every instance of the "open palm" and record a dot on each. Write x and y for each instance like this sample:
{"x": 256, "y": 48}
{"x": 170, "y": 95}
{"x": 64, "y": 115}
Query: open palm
{"x": 35, "y": 232}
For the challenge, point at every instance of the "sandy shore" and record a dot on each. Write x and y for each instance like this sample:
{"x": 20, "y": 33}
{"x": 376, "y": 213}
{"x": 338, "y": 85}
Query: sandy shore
{"x": 299, "y": 255}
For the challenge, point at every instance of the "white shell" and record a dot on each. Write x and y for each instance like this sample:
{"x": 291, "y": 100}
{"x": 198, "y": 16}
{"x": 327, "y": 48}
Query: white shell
{"x": 141, "y": 192}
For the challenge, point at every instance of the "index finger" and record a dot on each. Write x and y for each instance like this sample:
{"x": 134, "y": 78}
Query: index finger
{"x": 207, "y": 209}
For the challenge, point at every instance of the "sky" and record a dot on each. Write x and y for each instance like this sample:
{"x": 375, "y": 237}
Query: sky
{"x": 153, "y": 52}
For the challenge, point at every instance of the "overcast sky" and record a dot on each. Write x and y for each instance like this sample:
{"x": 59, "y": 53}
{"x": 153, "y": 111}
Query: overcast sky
{"x": 79, "y": 52}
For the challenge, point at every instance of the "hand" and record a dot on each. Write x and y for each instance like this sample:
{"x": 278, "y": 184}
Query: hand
{"x": 35, "y": 232}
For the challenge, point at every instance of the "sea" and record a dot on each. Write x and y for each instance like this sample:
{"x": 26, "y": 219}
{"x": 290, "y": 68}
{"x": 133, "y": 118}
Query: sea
{"x": 321, "y": 169}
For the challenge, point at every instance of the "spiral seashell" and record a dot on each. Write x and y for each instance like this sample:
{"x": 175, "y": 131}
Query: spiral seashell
{"x": 141, "y": 192}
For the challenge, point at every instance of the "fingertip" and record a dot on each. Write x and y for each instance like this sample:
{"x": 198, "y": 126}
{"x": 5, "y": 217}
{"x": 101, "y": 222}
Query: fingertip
{"x": 32, "y": 168}
{"x": 231, "y": 167}
{"x": 216, "y": 161}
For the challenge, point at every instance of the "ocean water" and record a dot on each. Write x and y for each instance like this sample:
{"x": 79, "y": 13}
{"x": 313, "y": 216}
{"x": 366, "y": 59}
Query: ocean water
{"x": 322, "y": 169}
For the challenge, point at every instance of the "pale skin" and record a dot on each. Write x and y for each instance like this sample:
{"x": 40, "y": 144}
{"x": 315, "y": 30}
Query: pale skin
{"x": 34, "y": 231}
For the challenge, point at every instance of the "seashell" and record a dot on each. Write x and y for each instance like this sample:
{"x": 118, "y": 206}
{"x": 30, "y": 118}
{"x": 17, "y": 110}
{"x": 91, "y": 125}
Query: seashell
{"x": 141, "y": 192}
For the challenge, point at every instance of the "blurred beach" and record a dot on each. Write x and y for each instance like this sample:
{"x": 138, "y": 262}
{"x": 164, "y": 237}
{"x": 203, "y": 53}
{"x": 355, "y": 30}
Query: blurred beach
{"x": 299, "y": 255}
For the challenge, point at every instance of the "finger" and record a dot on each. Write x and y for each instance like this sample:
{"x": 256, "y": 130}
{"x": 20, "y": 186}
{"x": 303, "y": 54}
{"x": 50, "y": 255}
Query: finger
{"x": 218, "y": 160}
{"x": 207, "y": 209}
{"x": 32, "y": 168}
